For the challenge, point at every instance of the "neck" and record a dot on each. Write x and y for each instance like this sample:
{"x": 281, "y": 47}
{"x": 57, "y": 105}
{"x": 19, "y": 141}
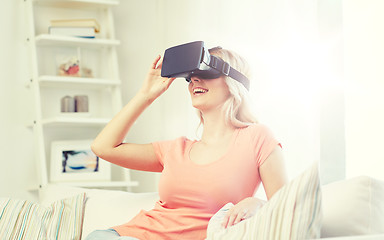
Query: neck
{"x": 215, "y": 129}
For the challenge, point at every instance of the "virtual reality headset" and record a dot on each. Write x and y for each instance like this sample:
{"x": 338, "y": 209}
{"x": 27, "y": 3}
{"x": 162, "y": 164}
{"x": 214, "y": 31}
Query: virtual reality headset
{"x": 193, "y": 59}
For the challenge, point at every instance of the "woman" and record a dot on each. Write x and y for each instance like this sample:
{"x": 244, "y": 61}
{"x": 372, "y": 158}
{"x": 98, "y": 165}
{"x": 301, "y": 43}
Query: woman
{"x": 227, "y": 164}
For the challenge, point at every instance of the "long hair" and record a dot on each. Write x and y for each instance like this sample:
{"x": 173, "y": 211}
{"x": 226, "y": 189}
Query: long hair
{"x": 237, "y": 107}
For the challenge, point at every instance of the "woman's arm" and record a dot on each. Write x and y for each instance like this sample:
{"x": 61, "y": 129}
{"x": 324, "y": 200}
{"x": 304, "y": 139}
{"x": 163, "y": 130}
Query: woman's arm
{"x": 109, "y": 145}
{"x": 273, "y": 176}
{"x": 273, "y": 172}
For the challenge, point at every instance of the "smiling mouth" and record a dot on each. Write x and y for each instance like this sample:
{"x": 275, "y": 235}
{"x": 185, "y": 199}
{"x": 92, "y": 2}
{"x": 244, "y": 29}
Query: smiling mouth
{"x": 199, "y": 91}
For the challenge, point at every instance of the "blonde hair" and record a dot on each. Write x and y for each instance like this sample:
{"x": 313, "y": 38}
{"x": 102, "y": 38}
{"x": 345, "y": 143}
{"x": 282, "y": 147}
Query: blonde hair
{"x": 237, "y": 107}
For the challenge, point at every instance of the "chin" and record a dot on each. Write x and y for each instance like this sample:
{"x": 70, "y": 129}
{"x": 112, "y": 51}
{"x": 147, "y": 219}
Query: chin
{"x": 197, "y": 106}
{"x": 200, "y": 105}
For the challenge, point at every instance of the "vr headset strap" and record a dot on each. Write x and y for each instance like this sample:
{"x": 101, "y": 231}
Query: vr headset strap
{"x": 226, "y": 69}
{"x": 238, "y": 76}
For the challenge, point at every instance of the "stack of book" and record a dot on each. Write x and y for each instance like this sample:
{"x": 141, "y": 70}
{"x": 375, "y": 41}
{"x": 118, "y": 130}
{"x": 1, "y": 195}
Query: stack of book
{"x": 85, "y": 28}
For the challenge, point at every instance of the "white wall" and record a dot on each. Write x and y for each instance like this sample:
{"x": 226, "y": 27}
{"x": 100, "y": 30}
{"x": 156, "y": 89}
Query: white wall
{"x": 139, "y": 28}
{"x": 332, "y": 103}
{"x": 17, "y": 168}
{"x": 363, "y": 23}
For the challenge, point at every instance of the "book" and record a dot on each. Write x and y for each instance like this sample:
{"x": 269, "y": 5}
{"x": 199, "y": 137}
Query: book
{"x": 84, "y": 32}
{"x": 90, "y": 22}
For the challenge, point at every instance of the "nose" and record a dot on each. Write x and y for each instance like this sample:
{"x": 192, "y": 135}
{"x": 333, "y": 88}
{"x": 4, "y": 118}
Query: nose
{"x": 192, "y": 79}
{"x": 195, "y": 79}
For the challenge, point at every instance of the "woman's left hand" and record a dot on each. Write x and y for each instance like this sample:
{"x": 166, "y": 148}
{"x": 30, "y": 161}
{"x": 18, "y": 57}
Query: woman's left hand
{"x": 246, "y": 208}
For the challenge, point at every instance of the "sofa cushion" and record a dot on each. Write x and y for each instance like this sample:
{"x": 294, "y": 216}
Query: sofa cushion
{"x": 104, "y": 208}
{"x": 353, "y": 207}
{"x": 294, "y": 212}
{"x": 22, "y": 219}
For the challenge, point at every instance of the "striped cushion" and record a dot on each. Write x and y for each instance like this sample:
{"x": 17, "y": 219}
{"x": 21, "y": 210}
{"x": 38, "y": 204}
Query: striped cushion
{"x": 21, "y": 219}
{"x": 294, "y": 212}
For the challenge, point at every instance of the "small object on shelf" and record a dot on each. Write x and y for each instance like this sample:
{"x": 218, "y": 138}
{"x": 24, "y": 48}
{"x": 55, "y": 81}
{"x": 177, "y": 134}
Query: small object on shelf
{"x": 83, "y": 32}
{"x": 89, "y": 22}
{"x": 86, "y": 72}
{"x": 70, "y": 67}
{"x": 81, "y": 103}
{"x": 67, "y": 104}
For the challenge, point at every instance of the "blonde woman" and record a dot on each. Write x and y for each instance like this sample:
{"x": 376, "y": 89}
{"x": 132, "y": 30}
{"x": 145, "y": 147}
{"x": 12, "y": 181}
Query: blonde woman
{"x": 234, "y": 155}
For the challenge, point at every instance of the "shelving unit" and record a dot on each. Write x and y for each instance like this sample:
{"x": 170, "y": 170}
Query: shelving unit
{"x": 102, "y": 87}
{"x": 50, "y": 40}
{"x": 55, "y": 81}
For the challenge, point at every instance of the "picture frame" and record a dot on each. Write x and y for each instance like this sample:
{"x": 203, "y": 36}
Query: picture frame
{"x": 74, "y": 161}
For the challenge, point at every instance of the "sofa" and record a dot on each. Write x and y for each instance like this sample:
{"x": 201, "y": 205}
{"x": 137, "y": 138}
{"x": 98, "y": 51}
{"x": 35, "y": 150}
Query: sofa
{"x": 350, "y": 209}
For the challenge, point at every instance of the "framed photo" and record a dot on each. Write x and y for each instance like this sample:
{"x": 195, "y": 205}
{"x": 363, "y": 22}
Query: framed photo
{"x": 75, "y": 161}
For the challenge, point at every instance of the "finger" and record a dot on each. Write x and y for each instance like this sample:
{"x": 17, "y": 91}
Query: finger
{"x": 248, "y": 215}
{"x": 168, "y": 81}
{"x": 154, "y": 64}
{"x": 171, "y": 81}
{"x": 231, "y": 220}
{"x": 154, "y": 72}
{"x": 225, "y": 221}
{"x": 239, "y": 217}
{"x": 226, "y": 218}
{"x": 160, "y": 63}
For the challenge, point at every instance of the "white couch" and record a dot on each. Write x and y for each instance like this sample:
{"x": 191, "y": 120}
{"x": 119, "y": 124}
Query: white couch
{"x": 352, "y": 209}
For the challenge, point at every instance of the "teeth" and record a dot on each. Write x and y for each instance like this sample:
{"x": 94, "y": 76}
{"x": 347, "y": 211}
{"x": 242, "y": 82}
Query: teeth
{"x": 199, "y": 90}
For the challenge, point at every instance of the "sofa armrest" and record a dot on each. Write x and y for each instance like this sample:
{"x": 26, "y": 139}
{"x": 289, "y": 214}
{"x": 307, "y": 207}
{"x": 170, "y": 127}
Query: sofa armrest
{"x": 361, "y": 237}
{"x": 353, "y": 207}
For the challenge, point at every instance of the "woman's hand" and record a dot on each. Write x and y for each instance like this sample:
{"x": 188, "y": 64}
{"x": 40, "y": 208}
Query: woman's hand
{"x": 155, "y": 85}
{"x": 246, "y": 208}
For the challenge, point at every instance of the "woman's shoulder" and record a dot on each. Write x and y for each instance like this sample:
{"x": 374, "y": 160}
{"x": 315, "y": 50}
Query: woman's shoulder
{"x": 256, "y": 128}
{"x": 173, "y": 147}
{"x": 173, "y": 143}
{"x": 256, "y": 132}
{"x": 259, "y": 134}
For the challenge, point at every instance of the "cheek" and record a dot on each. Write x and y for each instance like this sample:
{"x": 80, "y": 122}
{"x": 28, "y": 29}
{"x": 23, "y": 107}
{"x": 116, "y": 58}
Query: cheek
{"x": 190, "y": 88}
{"x": 221, "y": 88}
{"x": 218, "y": 83}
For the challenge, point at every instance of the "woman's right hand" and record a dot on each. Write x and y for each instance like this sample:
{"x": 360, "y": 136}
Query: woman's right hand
{"x": 155, "y": 84}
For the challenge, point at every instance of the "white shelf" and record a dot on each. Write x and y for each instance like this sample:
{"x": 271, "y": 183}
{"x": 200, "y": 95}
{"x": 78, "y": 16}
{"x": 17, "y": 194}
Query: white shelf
{"x": 74, "y": 121}
{"x": 77, "y": 3}
{"x": 58, "y": 81}
{"x": 55, "y": 40}
{"x": 105, "y": 184}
